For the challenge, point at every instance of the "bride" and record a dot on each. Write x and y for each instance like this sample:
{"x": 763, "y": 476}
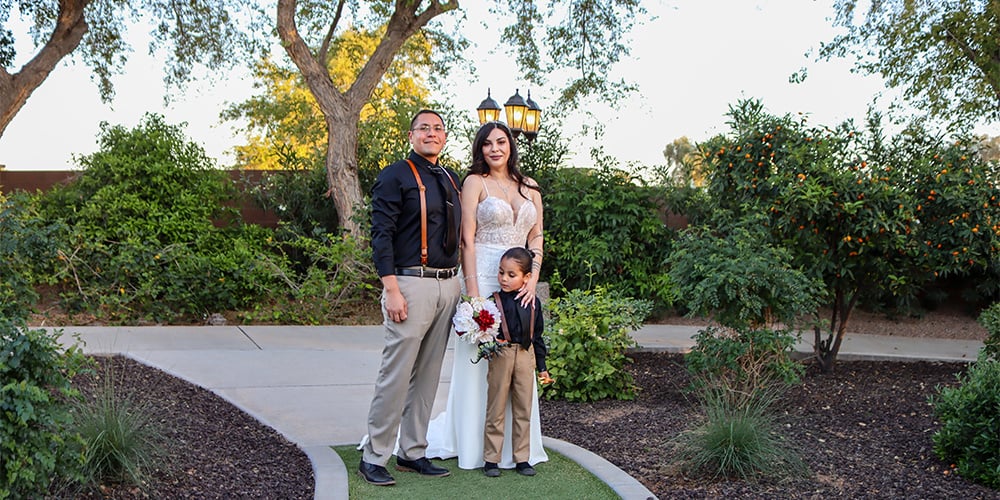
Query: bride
{"x": 501, "y": 208}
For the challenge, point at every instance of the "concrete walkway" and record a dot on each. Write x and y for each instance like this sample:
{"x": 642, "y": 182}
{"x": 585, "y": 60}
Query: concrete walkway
{"x": 314, "y": 384}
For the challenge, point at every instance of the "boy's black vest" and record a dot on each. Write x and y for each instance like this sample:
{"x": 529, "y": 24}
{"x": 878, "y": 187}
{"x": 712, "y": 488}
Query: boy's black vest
{"x": 525, "y": 316}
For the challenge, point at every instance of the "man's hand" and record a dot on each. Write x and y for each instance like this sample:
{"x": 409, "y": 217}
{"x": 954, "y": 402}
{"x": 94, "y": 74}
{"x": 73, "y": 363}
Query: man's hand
{"x": 395, "y": 305}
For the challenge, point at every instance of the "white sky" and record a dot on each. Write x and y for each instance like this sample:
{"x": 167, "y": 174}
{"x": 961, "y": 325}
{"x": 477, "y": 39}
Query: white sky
{"x": 693, "y": 61}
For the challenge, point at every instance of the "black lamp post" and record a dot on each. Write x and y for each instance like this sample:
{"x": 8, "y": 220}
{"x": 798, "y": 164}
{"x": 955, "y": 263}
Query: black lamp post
{"x": 522, "y": 115}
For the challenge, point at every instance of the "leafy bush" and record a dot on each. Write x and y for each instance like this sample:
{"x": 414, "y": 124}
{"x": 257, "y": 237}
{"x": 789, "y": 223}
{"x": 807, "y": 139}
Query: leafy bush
{"x": 35, "y": 442}
{"x": 738, "y": 438}
{"x": 969, "y": 436}
{"x": 297, "y": 196}
{"x": 602, "y": 228}
{"x": 990, "y": 319}
{"x": 28, "y": 246}
{"x": 745, "y": 360}
{"x": 143, "y": 242}
{"x": 735, "y": 275}
{"x": 587, "y": 339}
{"x": 322, "y": 278}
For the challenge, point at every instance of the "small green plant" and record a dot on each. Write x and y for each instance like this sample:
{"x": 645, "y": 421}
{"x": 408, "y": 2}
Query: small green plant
{"x": 969, "y": 436}
{"x": 121, "y": 437}
{"x": 587, "y": 339}
{"x": 990, "y": 319}
{"x": 747, "y": 360}
{"x": 738, "y": 438}
{"x": 36, "y": 445}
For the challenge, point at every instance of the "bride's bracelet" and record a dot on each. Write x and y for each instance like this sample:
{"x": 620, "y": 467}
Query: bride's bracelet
{"x": 467, "y": 278}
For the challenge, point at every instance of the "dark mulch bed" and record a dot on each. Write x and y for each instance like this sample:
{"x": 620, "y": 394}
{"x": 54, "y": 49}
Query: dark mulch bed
{"x": 213, "y": 449}
{"x": 865, "y": 432}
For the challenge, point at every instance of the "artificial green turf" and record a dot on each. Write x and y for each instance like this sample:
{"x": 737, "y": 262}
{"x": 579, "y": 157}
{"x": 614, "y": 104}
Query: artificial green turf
{"x": 558, "y": 478}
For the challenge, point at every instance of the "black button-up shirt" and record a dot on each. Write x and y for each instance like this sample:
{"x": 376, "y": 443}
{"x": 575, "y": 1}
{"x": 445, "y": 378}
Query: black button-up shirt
{"x": 396, "y": 216}
{"x": 518, "y": 321}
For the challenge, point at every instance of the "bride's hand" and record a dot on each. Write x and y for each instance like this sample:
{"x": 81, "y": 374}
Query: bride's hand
{"x": 526, "y": 294}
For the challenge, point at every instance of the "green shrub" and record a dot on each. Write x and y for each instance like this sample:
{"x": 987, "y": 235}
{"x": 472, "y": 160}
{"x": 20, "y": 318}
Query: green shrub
{"x": 145, "y": 242}
{"x": 736, "y": 276}
{"x": 990, "y": 319}
{"x": 321, "y": 280}
{"x": 297, "y": 195}
{"x": 746, "y": 360}
{"x": 738, "y": 438}
{"x": 27, "y": 244}
{"x": 602, "y": 228}
{"x": 587, "y": 338}
{"x": 35, "y": 442}
{"x": 969, "y": 413}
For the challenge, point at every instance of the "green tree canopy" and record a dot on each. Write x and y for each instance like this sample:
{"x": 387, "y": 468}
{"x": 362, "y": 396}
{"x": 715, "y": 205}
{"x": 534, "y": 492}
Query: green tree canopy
{"x": 216, "y": 33}
{"x": 581, "y": 35}
{"x": 945, "y": 56}
{"x": 285, "y": 123}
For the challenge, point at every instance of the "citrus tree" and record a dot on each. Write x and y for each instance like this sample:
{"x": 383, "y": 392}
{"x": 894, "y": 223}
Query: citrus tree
{"x": 845, "y": 202}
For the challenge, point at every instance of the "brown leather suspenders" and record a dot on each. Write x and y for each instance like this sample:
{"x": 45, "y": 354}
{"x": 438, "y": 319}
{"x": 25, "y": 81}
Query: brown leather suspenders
{"x": 503, "y": 321}
{"x": 423, "y": 209}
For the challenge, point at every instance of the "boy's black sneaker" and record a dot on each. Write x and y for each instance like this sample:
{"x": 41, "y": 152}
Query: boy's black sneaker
{"x": 491, "y": 470}
{"x": 525, "y": 469}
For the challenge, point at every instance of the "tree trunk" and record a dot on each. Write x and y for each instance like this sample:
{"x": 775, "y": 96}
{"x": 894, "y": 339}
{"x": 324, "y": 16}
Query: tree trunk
{"x": 342, "y": 110}
{"x": 15, "y": 89}
{"x": 826, "y": 350}
{"x": 342, "y": 173}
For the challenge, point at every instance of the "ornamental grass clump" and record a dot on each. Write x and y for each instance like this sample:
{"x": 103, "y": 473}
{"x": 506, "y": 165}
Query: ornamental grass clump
{"x": 739, "y": 437}
{"x": 121, "y": 436}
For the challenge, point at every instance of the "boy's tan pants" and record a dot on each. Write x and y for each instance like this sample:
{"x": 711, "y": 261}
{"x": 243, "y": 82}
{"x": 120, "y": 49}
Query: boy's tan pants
{"x": 511, "y": 375}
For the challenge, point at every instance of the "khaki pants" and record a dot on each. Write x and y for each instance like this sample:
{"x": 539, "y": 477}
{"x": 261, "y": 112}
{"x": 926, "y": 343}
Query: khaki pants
{"x": 511, "y": 375}
{"x": 411, "y": 369}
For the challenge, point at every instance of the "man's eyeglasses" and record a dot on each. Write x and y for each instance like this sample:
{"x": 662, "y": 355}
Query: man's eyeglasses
{"x": 427, "y": 128}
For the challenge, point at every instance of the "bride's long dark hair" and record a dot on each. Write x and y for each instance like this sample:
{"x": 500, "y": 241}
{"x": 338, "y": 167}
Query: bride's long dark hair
{"x": 479, "y": 166}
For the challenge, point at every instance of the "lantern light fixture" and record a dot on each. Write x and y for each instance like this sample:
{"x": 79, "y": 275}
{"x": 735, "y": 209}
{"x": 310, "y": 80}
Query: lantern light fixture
{"x": 489, "y": 110}
{"x": 523, "y": 115}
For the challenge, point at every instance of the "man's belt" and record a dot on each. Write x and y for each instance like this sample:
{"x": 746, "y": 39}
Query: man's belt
{"x": 428, "y": 272}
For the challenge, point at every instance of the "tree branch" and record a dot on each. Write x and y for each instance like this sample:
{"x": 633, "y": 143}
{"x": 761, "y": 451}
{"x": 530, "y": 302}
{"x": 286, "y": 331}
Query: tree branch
{"x": 15, "y": 89}
{"x": 325, "y": 47}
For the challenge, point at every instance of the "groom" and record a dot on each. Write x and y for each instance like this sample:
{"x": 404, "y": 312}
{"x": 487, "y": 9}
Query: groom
{"x": 415, "y": 221}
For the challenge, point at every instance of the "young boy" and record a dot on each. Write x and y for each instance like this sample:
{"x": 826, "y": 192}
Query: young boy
{"x": 512, "y": 372}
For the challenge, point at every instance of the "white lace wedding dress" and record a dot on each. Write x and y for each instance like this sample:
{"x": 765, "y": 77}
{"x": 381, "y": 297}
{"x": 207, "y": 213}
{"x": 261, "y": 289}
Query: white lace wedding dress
{"x": 458, "y": 431}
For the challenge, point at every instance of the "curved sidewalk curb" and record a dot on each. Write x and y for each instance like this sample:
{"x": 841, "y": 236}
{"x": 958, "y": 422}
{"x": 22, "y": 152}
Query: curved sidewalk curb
{"x": 626, "y": 486}
{"x": 329, "y": 473}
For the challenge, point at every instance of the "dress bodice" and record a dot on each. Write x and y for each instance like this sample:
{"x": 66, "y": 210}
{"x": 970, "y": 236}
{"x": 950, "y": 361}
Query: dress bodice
{"x": 496, "y": 225}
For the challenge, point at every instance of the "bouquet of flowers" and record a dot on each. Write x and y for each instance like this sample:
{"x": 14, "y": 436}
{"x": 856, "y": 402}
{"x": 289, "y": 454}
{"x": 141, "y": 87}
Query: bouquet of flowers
{"x": 477, "y": 321}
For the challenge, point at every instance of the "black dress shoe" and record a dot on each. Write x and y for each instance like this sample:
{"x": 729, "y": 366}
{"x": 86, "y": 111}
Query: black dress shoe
{"x": 491, "y": 470}
{"x": 525, "y": 469}
{"x": 375, "y": 474}
{"x": 421, "y": 465}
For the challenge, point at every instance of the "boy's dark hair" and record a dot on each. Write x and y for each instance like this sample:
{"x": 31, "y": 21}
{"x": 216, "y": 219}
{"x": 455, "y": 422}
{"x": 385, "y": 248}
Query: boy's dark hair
{"x": 522, "y": 256}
